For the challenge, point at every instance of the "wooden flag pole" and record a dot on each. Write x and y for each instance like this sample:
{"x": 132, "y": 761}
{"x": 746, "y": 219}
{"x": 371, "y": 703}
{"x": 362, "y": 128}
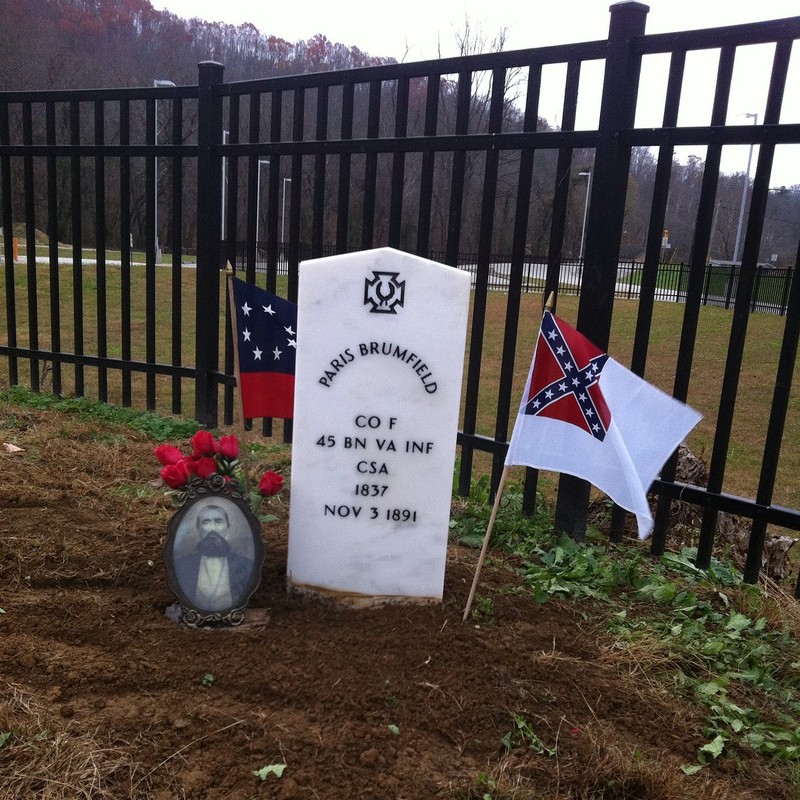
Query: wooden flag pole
{"x": 238, "y": 414}
{"x": 486, "y": 538}
{"x": 234, "y": 331}
{"x": 548, "y": 306}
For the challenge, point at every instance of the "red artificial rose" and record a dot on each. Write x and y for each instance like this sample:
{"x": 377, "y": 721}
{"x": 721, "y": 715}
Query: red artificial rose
{"x": 167, "y": 454}
{"x": 203, "y": 444}
{"x": 204, "y": 467}
{"x": 271, "y": 483}
{"x": 175, "y": 475}
{"x": 228, "y": 447}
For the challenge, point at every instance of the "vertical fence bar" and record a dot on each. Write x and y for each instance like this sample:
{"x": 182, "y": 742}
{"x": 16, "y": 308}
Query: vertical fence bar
{"x": 125, "y": 244}
{"x": 457, "y": 176}
{"x": 100, "y": 247}
{"x": 573, "y": 494}
{"x": 652, "y": 266}
{"x": 177, "y": 254}
{"x": 295, "y": 196}
{"x": 231, "y": 188}
{"x": 371, "y": 168}
{"x": 488, "y": 204}
{"x": 755, "y": 303}
{"x": 52, "y": 240}
{"x": 777, "y": 420}
{"x": 398, "y": 165}
{"x": 428, "y": 163}
{"x": 230, "y": 221}
{"x": 345, "y": 160}
{"x": 8, "y": 243}
{"x": 481, "y": 282}
{"x": 153, "y": 251}
{"x": 77, "y": 244}
{"x": 558, "y": 224}
{"x": 609, "y": 183}
{"x": 209, "y": 210}
{"x": 518, "y": 264}
{"x": 276, "y": 249}
{"x": 253, "y": 188}
{"x": 30, "y": 243}
{"x": 320, "y": 175}
{"x": 606, "y": 214}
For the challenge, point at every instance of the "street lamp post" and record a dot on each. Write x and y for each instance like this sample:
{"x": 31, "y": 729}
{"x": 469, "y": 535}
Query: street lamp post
{"x": 258, "y": 194}
{"x": 225, "y": 135}
{"x": 746, "y": 186}
{"x": 156, "y": 85}
{"x": 585, "y": 210}
{"x": 283, "y": 210}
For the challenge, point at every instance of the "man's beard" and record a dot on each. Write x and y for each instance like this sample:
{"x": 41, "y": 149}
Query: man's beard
{"x": 212, "y": 544}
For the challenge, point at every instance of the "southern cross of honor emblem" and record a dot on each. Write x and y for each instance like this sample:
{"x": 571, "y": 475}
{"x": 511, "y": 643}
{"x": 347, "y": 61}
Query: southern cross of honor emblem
{"x": 384, "y": 292}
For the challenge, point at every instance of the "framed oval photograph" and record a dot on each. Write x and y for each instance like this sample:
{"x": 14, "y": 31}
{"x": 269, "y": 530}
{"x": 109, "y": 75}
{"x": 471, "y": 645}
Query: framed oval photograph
{"x": 213, "y": 554}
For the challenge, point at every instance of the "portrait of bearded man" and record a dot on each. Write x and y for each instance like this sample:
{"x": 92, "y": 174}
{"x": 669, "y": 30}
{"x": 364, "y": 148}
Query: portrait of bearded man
{"x": 216, "y": 573}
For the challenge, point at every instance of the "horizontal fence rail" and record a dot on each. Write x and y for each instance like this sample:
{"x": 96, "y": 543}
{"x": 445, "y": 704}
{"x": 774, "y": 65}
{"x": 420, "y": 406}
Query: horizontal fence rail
{"x": 142, "y": 195}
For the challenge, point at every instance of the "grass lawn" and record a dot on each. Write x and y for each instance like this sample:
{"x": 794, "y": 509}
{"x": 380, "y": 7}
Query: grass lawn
{"x": 764, "y": 338}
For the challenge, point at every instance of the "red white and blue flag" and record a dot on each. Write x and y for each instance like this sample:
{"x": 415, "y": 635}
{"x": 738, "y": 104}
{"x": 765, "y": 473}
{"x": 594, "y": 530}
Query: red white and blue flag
{"x": 266, "y": 333}
{"x": 585, "y": 414}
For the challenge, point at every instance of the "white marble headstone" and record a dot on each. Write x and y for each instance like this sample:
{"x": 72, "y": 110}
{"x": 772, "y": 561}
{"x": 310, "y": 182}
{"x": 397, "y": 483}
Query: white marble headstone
{"x": 377, "y": 394}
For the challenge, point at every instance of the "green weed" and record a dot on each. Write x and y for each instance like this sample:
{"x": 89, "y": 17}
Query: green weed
{"x": 523, "y": 735}
{"x": 701, "y": 632}
{"x": 483, "y": 610}
{"x": 155, "y": 425}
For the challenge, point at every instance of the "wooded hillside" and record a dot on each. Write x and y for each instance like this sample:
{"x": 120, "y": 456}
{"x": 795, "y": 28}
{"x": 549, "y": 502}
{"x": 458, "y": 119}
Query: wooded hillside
{"x": 83, "y": 44}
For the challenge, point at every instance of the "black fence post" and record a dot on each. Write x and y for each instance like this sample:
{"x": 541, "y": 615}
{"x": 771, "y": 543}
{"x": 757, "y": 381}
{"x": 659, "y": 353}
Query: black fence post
{"x": 606, "y": 213}
{"x": 209, "y": 233}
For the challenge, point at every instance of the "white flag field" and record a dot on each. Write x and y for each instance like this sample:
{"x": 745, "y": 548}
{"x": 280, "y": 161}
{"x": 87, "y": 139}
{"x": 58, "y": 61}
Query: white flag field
{"x": 584, "y": 414}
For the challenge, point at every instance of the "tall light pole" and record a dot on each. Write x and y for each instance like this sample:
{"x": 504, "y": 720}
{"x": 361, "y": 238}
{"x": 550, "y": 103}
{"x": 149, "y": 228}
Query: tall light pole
{"x": 156, "y": 85}
{"x": 225, "y": 135}
{"x": 585, "y": 210}
{"x": 746, "y": 186}
{"x": 283, "y": 210}
{"x": 258, "y": 194}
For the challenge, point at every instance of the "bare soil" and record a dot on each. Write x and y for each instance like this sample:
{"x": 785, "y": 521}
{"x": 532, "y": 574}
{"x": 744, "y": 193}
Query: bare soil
{"x": 102, "y": 695}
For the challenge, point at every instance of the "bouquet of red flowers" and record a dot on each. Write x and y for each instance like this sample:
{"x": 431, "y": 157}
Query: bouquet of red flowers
{"x": 212, "y": 456}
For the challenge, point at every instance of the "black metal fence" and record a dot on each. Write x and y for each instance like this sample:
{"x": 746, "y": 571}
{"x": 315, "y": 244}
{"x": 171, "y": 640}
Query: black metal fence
{"x": 770, "y": 289}
{"x": 435, "y": 158}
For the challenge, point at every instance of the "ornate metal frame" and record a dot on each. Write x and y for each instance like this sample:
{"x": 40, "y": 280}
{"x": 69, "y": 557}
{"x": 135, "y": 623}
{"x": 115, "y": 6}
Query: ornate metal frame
{"x": 222, "y": 492}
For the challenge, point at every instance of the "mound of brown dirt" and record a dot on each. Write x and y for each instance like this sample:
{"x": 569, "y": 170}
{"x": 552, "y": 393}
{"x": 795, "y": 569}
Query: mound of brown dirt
{"x": 101, "y": 695}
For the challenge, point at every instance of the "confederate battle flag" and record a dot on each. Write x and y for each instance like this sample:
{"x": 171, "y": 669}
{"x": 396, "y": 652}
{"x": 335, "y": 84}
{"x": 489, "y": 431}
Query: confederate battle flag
{"x": 266, "y": 334}
{"x": 583, "y": 413}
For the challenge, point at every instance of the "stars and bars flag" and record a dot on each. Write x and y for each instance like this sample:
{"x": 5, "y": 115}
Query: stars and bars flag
{"x": 266, "y": 341}
{"x": 585, "y": 414}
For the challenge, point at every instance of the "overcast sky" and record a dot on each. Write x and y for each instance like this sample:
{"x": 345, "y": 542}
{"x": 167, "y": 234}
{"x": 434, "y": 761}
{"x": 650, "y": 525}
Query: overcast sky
{"x": 413, "y": 30}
